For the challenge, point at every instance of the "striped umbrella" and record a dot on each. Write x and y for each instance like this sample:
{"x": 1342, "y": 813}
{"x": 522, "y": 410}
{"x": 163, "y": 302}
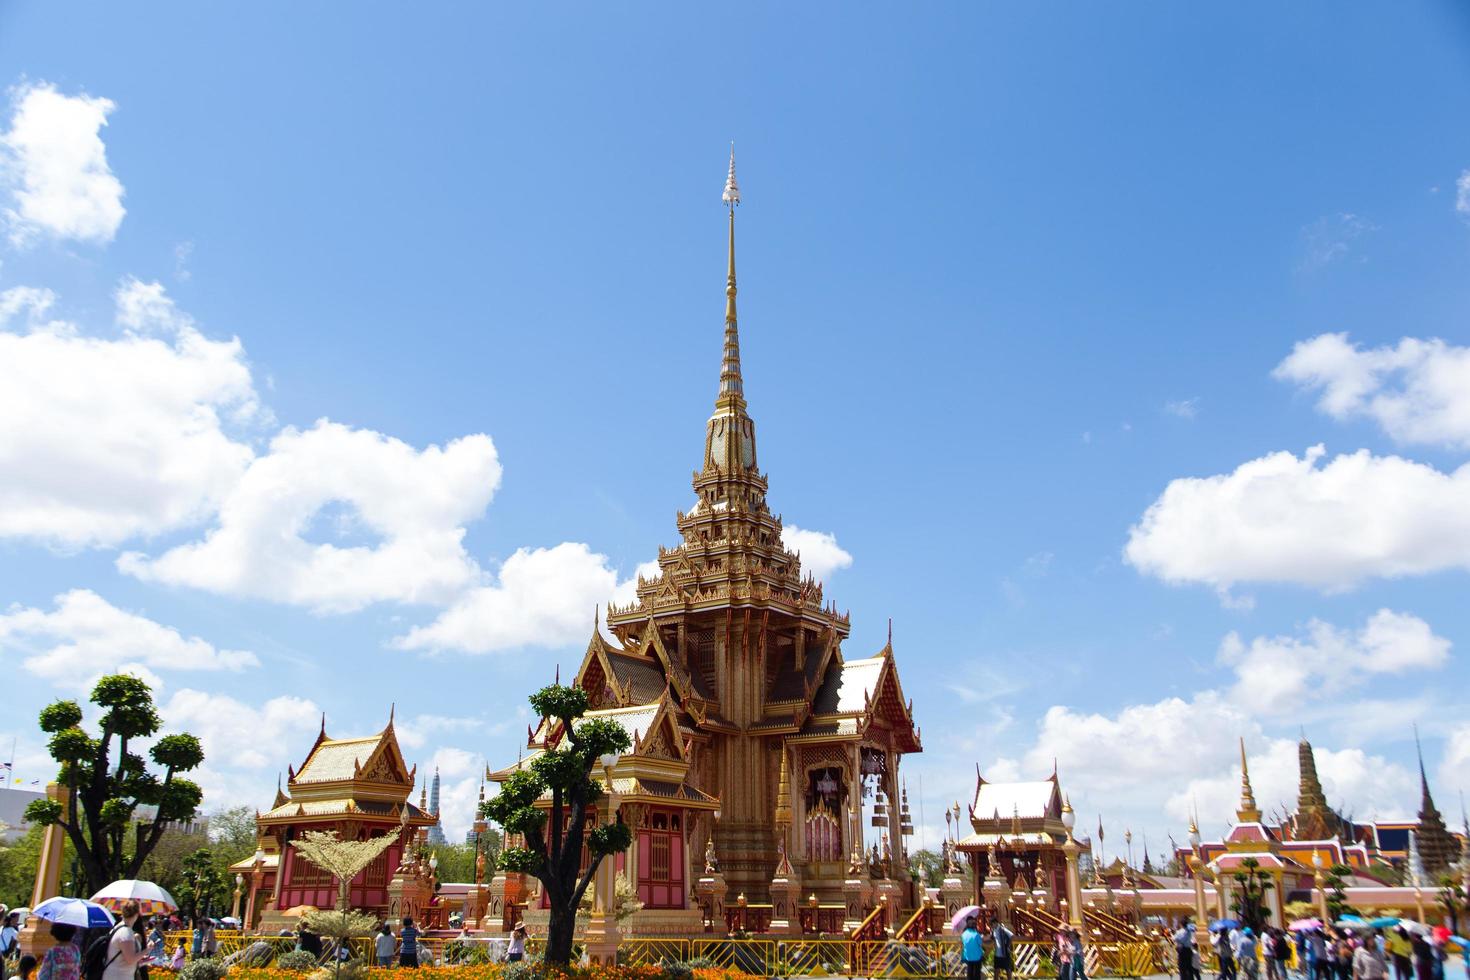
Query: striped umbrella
{"x": 151, "y": 899}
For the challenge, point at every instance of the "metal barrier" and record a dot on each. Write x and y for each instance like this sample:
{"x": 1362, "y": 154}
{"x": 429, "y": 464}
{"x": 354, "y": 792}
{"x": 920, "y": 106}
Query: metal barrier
{"x": 797, "y": 956}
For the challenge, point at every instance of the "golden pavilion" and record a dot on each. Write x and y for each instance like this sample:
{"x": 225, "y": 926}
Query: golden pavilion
{"x": 756, "y": 740}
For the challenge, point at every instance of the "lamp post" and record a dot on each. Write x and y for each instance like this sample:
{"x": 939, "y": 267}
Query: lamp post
{"x": 1072, "y": 904}
{"x": 255, "y": 871}
{"x": 1320, "y": 884}
{"x": 1197, "y": 863}
{"x": 235, "y": 907}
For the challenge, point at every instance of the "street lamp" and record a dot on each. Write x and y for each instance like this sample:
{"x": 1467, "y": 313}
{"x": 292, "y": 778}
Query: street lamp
{"x": 1317, "y": 865}
{"x": 235, "y": 908}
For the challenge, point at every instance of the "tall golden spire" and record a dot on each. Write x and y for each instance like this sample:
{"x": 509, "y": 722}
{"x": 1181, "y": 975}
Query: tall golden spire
{"x": 732, "y": 388}
{"x": 1248, "y": 811}
{"x": 730, "y": 440}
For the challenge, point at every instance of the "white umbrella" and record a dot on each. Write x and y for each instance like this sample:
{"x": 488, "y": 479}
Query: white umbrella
{"x": 74, "y": 912}
{"x": 151, "y": 899}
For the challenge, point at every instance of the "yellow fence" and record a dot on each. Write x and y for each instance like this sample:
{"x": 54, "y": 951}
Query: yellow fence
{"x": 794, "y": 957}
{"x": 931, "y": 958}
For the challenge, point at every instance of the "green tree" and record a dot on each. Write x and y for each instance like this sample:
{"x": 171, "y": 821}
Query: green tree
{"x": 927, "y": 868}
{"x": 1252, "y": 885}
{"x": 554, "y": 836}
{"x": 108, "y": 782}
{"x": 1452, "y": 899}
{"x": 1334, "y": 882}
{"x": 204, "y": 885}
{"x": 18, "y": 863}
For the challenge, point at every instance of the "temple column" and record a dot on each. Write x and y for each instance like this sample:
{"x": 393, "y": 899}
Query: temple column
{"x": 896, "y": 864}
{"x": 34, "y": 940}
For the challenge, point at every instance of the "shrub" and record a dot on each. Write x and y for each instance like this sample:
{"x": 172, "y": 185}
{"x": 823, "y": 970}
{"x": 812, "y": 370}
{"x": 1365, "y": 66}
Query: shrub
{"x": 208, "y": 969}
{"x": 674, "y": 970}
{"x": 296, "y": 959}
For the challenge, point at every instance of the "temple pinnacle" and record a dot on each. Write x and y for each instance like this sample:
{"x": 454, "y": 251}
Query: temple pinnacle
{"x": 732, "y": 189}
{"x": 1248, "y": 811}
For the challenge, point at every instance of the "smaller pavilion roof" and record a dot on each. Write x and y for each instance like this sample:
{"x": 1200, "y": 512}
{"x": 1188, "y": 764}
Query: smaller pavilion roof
{"x": 1024, "y": 799}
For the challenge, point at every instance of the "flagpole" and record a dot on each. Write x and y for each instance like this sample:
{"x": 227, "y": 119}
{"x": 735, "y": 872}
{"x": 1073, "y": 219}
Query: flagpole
{"x": 10, "y": 766}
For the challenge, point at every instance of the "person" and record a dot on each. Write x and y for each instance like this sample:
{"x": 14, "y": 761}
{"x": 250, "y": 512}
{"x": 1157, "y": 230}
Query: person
{"x": 1000, "y": 939}
{"x": 25, "y": 968}
{"x": 62, "y": 961}
{"x": 309, "y": 941}
{"x": 408, "y": 944}
{"x": 10, "y": 935}
{"x": 1074, "y": 948}
{"x": 1400, "y": 953}
{"x": 177, "y": 963}
{"x": 1225, "y": 953}
{"x": 1319, "y": 962}
{"x": 140, "y": 935}
{"x": 1184, "y": 949}
{"x": 157, "y": 941}
{"x": 1368, "y": 962}
{"x": 383, "y": 945}
{"x": 972, "y": 948}
{"x": 1245, "y": 954}
{"x": 517, "y": 949}
{"x": 123, "y": 948}
{"x": 211, "y": 941}
{"x": 1423, "y": 957}
{"x": 1061, "y": 953}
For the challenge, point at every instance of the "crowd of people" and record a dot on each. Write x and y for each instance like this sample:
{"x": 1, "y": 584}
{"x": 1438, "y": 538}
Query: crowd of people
{"x": 1317, "y": 953}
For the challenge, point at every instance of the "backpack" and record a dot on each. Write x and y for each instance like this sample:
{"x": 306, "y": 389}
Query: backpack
{"x": 95, "y": 960}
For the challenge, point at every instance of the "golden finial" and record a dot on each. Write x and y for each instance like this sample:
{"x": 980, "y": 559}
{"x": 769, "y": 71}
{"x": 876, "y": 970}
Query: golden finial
{"x": 732, "y": 388}
{"x": 1248, "y": 811}
{"x": 732, "y": 189}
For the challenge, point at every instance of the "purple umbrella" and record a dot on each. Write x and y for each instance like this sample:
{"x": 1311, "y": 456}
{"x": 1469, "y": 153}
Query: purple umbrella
{"x": 958, "y": 922}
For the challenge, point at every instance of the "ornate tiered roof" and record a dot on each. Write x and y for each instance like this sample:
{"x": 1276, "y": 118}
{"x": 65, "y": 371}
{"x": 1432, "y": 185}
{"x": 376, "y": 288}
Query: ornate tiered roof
{"x": 349, "y": 777}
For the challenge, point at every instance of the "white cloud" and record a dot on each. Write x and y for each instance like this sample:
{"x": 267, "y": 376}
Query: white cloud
{"x": 1186, "y": 408}
{"x": 55, "y": 168}
{"x": 397, "y": 513}
{"x": 1417, "y": 391}
{"x": 1275, "y": 675}
{"x": 541, "y": 597}
{"x": 110, "y": 439}
{"x": 86, "y": 636}
{"x": 1331, "y": 238}
{"x": 244, "y": 746}
{"x": 1462, "y": 193}
{"x": 414, "y": 733}
{"x": 1283, "y": 518}
{"x": 1454, "y": 767}
{"x": 820, "y": 553}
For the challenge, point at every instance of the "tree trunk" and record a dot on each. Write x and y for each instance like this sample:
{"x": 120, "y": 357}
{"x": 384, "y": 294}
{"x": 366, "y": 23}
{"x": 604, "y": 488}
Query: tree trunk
{"x": 559, "y": 933}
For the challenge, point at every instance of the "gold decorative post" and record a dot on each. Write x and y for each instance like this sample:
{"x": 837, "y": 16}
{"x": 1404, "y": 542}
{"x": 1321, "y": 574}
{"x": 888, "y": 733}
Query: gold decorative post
{"x": 33, "y": 939}
{"x": 1196, "y": 861}
{"x": 1321, "y": 886}
{"x": 601, "y": 937}
{"x": 1070, "y": 848}
{"x": 255, "y": 875}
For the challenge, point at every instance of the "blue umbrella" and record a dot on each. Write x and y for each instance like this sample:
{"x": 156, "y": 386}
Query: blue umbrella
{"x": 74, "y": 912}
{"x": 1219, "y": 924}
{"x": 1384, "y": 922}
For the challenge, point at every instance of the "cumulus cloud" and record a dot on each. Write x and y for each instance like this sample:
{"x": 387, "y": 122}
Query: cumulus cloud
{"x": 1284, "y": 518}
{"x": 244, "y": 745}
{"x": 1462, "y": 193}
{"x": 540, "y": 597}
{"x": 1276, "y": 674}
{"x": 1454, "y": 768}
{"x": 55, "y": 168}
{"x": 397, "y": 515}
{"x": 1185, "y": 408}
{"x": 109, "y": 439}
{"x": 1417, "y": 391}
{"x": 821, "y": 555}
{"x": 86, "y": 636}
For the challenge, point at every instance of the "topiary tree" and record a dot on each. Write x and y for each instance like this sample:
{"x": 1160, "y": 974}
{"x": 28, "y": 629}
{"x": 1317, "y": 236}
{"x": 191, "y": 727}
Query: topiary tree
{"x": 1252, "y": 886}
{"x": 342, "y": 859}
{"x": 554, "y": 835}
{"x": 108, "y": 782}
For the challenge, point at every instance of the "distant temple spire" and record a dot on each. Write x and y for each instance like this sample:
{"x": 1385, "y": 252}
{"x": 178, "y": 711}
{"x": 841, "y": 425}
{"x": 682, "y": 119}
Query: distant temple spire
{"x": 1437, "y": 847}
{"x": 1314, "y": 819}
{"x": 730, "y": 439}
{"x": 1248, "y": 812}
{"x": 436, "y": 832}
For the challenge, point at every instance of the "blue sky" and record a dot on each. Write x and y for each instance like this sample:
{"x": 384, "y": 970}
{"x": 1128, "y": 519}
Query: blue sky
{"x": 1007, "y": 273}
